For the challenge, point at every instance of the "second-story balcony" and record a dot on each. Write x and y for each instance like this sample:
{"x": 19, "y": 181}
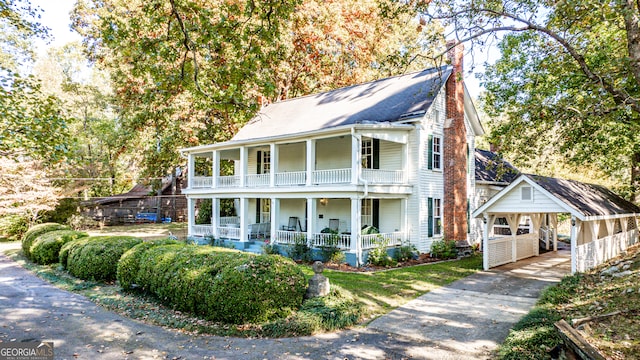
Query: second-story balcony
{"x": 338, "y": 160}
{"x": 299, "y": 178}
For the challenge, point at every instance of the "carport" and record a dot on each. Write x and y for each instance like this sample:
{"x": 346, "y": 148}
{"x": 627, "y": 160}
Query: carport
{"x": 603, "y": 224}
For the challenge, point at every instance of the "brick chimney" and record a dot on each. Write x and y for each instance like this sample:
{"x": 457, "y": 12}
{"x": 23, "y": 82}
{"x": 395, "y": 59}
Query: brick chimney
{"x": 455, "y": 151}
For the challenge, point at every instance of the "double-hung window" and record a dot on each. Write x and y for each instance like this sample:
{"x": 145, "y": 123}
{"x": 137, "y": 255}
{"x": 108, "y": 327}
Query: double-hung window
{"x": 437, "y": 217}
{"x": 436, "y": 153}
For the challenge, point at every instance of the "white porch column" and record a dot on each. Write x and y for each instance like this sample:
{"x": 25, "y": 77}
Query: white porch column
{"x": 574, "y": 243}
{"x": 191, "y": 169}
{"x": 273, "y": 149}
{"x": 275, "y": 215}
{"x": 356, "y": 158}
{"x": 244, "y": 217}
{"x": 311, "y": 220}
{"x": 215, "y": 168}
{"x": 485, "y": 242}
{"x": 554, "y": 225}
{"x": 215, "y": 216}
{"x": 243, "y": 166}
{"x": 356, "y": 246}
{"x": 311, "y": 160}
{"x": 190, "y": 213}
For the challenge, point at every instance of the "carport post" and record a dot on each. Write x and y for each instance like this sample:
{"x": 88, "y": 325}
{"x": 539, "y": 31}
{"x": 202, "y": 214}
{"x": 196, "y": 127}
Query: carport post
{"x": 574, "y": 244}
{"x": 485, "y": 242}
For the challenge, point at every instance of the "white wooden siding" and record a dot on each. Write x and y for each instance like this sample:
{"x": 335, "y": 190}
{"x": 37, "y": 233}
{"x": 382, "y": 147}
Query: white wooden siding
{"x": 333, "y": 153}
{"x": 390, "y": 215}
{"x": 390, "y": 155}
{"x": 292, "y": 157}
{"x": 430, "y": 184}
{"x": 512, "y": 203}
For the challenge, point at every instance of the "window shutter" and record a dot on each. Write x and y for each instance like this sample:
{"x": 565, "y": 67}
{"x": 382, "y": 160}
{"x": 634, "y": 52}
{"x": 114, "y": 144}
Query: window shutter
{"x": 468, "y": 217}
{"x": 376, "y": 213}
{"x": 258, "y": 208}
{"x": 259, "y": 162}
{"x": 430, "y": 153}
{"x": 376, "y": 154}
{"x": 430, "y": 217}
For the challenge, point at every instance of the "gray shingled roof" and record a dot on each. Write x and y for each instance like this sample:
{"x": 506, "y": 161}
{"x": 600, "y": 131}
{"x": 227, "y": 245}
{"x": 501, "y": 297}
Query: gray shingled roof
{"x": 385, "y": 100}
{"x": 491, "y": 168}
{"x": 589, "y": 199}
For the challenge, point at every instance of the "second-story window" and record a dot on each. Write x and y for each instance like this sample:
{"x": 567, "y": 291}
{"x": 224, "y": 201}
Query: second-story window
{"x": 264, "y": 162}
{"x": 367, "y": 154}
{"x": 437, "y": 153}
{"x": 370, "y": 155}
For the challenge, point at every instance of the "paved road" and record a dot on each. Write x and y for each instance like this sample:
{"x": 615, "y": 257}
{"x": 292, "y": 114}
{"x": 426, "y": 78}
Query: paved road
{"x": 31, "y": 309}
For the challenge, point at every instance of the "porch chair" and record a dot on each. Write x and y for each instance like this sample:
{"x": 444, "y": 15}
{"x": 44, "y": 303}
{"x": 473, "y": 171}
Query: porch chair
{"x": 293, "y": 224}
{"x": 334, "y": 224}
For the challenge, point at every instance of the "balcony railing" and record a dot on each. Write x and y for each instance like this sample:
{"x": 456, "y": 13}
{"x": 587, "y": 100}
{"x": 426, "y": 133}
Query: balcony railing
{"x": 334, "y": 176}
{"x": 377, "y": 176}
{"x": 295, "y": 178}
{"x": 341, "y": 241}
{"x": 291, "y": 178}
{"x": 202, "y": 182}
{"x": 229, "y": 232}
{"x": 257, "y": 180}
{"x": 229, "y": 181}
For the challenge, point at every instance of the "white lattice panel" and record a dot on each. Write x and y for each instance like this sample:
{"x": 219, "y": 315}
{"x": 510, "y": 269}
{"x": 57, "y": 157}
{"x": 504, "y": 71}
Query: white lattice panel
{"x": 500, "y": 251}
{"x": 594, "y": 253}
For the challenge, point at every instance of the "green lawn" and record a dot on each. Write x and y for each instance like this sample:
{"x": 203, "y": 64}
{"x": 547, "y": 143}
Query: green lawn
{"x": 385, "y": 290}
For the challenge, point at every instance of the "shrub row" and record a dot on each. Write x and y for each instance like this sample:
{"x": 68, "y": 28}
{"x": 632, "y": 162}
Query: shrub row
{"x": 218, "y": 284}
{"x": 35, "y": 231}
{"x": 96, "y": 258}
{"x": 129, "y": 264}
{"x": 46, "y": 247}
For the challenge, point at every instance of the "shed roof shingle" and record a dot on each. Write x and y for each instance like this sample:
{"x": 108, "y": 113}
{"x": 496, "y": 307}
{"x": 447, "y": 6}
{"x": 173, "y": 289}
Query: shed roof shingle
{"x": 589, "y": 199}
{"x": 491, "y": 168}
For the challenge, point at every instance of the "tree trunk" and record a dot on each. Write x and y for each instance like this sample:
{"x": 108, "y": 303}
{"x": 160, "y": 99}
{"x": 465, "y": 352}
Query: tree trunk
{"x": 635, "y": 177}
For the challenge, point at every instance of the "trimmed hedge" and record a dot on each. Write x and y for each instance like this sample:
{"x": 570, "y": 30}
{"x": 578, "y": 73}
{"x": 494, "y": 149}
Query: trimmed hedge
{"x": 222, "y": 284}
{"x": 96, "y": 258}
{"x": 46, "y": 247}
{"x": 129, "y": 264}
{"x": 35, "y": 231}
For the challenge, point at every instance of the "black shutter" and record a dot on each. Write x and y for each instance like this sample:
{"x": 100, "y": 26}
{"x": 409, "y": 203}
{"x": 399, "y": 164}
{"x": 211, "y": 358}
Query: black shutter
{"x": 376, "y": 154}
{"x": 468, "y": 217}
{"x": 258, "y": 210}
{"x": 259, "y": 162}
{"x": 430, "y": 153}
{"x": 376, "y": 213}
{"x": 430, "y": 217}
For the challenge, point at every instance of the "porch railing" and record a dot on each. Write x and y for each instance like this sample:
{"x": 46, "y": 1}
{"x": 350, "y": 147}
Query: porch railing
{"x": 333, "y": 176}
{"x": 341, "y": 241}
{"x": 255, "y": 180}
{"x": 202, "y": 230}
{"x": 376, "y": 176}
{"x": 202, "y": 182}
{"x": 229, "y": 181}
{"x": 291, "y": 178}
{"x": 370, "y": 241}
{"x": 229, "y": 232}
{"x": 289, "y": 237}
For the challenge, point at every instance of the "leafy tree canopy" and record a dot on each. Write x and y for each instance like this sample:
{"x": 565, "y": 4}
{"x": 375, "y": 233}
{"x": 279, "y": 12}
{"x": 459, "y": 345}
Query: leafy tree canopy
{"x": 187, "y": 72}
{"x": 568, "y": 79}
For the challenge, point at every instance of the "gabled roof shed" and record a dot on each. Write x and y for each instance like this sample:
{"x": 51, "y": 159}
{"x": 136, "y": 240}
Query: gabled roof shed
{"x": 602, "y": 223}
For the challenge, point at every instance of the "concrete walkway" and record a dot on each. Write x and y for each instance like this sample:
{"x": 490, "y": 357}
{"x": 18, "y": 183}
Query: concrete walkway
{"x": 462, "y": 321}
{"x": 472, "y": 316}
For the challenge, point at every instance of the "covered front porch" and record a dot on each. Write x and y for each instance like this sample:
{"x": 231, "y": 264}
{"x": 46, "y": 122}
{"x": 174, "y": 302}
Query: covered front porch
{"x": 352, "y": 225}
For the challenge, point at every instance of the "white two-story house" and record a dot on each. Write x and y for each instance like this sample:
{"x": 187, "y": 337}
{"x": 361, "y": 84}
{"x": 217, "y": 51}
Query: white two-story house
{"x": 392, "y": 154}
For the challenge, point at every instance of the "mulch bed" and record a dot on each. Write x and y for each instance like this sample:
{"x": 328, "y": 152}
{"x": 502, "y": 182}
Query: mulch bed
{"x": 422, "y": 259}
